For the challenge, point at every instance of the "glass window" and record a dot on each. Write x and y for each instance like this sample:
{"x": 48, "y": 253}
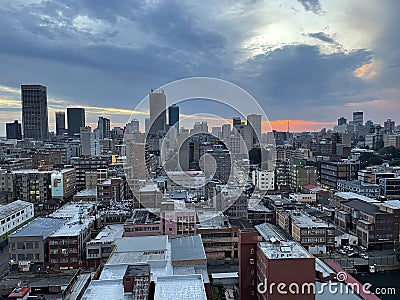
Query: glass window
{"x": 20, "y": 246}
{"x": 29, "y": 245}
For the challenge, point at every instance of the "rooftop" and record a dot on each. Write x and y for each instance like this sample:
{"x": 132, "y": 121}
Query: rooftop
{"x": 105, "y": 290}
{"x": 138, "y": 270}
{"x": 40, "y": 227}
{"x": 108, "y": 234}
{"x": 141, "y": 243}
{"x": 351, "y": 195}
{"x": 143, "y": 216}
{"x": 303, "y": 220}
{"x": 268, "y": 231}
{"x": 180, "y": 288}
{"x": 367, "y": 208}
{"x": 283, "y": 250}
{"x": 187, "y": 248}
{"x": 393, "y": 204}
{"x": 13, "y": 207}
{"x": 87, "y": 192}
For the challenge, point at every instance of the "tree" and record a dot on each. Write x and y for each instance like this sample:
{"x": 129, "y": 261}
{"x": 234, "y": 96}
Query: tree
{"x": 373, "y": 161}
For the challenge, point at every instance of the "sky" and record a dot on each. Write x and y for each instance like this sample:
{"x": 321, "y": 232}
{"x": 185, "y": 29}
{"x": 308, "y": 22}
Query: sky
{"x": 307, "y": 61}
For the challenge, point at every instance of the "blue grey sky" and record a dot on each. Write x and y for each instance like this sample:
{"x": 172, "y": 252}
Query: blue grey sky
{"x": 309, "y": 61}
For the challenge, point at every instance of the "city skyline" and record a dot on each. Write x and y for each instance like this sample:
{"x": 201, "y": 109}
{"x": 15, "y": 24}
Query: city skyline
{"x": 310, "y": 56}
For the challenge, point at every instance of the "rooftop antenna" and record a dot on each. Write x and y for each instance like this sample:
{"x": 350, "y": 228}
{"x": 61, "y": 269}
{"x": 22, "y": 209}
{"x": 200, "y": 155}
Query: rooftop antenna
{"x": 288, "y": 126}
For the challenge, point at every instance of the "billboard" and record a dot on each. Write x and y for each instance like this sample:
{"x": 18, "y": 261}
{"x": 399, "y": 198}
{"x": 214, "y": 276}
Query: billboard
{"x": 57, "y": 185}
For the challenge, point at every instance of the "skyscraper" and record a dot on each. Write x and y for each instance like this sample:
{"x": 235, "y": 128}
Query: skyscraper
{"x": 103, "y": 126}
{"x": 173, "y": 116}
{"x": 132, "y": 126}
{"x": 158, "y": 118}
{"x": 342, "y": 121}
{"x": 34, "y": 112}
{"x": 358, "y": 118}
{"x": 13, "y": 131}
{"x": 236, "y": 121}
{"x": 254, "y": 121}
{"x": 76, "y": 120}
{"x": 60, "y": 122}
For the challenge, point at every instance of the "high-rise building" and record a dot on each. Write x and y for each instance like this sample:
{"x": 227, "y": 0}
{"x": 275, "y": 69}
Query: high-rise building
{"x": 146, "y": 125}
{"x": 236, "y": 121}
{"x": 358, "y": 118}
{"x": 173, "y": 116}
{"x": 76, "y": 120}
{"x": 103, "y": 126}
{"x": 60, "y": 122}
{"x": 226, "y": 131}
{"x": 389, "y": 126}
{"x": 158, "y": 119}
{"x": 132, "y": 126}
{"x": 85, "y": 140}
{"x": 342, "y": 121}
{"x": 254, "y": 121}
{"x": 34, "y": 112}
{"x": 13, "y": 131}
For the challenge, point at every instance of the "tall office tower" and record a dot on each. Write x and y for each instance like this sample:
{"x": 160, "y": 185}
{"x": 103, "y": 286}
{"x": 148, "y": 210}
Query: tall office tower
{"x": 76, "y": 120}
{"x": 60, "y": 122}
{"x": 236, "y": 121}
{"x": 103, "y": 126}
{"x": 158, "y": 119}
{"x": 255, "y": 122}
{"x": 13, "y": 131}
{"x": 342, "y": 121}
{"x": 34, "y": 112}
{"x": 216, "y": 131}
{"x": 389, "y": 126}
{"x": 226, "y": 131}
{"x": 358, "y": 117}
{"x": 173, "y": 116}
{"x": 146, "y": 125}
{"x": 132, "y": 126}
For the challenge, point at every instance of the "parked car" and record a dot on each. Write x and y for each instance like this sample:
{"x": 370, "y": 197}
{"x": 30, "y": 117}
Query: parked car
{"x": 364, "y": 255}
{"x": 352, "y": 254}
{"x": 362, "y": 248}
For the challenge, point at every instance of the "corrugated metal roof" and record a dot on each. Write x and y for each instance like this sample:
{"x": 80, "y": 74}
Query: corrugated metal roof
{"x": 40, "y": 227}
{"x": 187, "y": 248}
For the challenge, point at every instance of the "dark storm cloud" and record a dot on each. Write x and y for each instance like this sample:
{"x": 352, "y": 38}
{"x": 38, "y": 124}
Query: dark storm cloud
{"x": 298, "y": 76}
{"x": 311, "y": 5}
{"x": 322, "y": 37}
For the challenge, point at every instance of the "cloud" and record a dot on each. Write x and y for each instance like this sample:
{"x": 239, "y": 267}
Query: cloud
{"x": 322, "y": 37}
{"x": 311, "y": 5}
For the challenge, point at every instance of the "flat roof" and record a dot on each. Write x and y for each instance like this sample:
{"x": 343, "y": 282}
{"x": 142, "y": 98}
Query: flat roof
{"x": 87, "y": 192}
{"x": 394, "y": 204}
{"x": 180, "y": 288}
{"x": 367, "y": 208}
{"x": 225, "y": 275}
{"x": 351, "y": 195}
{"x": 105, "y": 290}
{"x": 187, "y": 248}
{"x": 13, "y": 207}
{"x": 284, "y": 250}
{"x": 40, "y": 227}
{"x": 108, "y": 234}
{"x": 141, "y": 243}
{"x": 307, "y": 221}
{"x": 268, "y": 231}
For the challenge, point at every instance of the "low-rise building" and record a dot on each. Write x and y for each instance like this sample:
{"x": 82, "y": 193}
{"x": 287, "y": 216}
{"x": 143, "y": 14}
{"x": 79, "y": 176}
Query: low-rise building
{"x": 28, "y": 248}
{"x": 99, "y": 249}
{"x": 362, "y": 188}
{"x": 12, "y": 217}
{"x": 67, "y": 245}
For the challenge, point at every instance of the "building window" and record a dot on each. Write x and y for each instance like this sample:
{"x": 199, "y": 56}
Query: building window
{"x": 252, "y": 251}
{"x": 251, "y": 261}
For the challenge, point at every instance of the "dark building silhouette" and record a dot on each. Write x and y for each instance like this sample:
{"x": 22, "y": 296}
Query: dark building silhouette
{"x": 76, "y": 120}
{"x": 60, "y": 122}
{"x": 173, "y": 116}
{"x": 34, "y": 112}
{"x": 13, "y": 131}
